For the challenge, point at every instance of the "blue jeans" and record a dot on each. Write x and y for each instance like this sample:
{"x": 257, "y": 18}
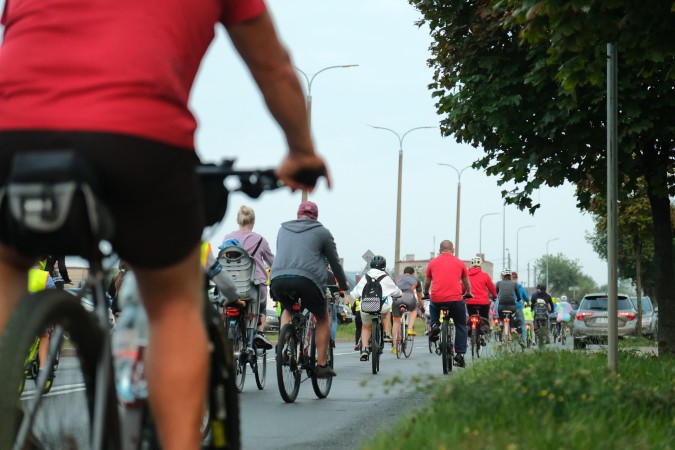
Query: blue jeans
{"x": 457, "y": 311}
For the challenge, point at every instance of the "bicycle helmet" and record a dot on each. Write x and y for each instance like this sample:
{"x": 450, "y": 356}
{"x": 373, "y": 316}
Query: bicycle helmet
{"x": 378, "y": 262}
{"x": 563, "y": 298}
{"x": 506, "y": 272}
{"x": 476, "y": 261}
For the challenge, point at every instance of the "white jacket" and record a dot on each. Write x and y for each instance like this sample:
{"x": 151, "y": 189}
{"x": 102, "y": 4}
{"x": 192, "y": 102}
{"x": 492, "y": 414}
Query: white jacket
{"x": 389, "y": 288}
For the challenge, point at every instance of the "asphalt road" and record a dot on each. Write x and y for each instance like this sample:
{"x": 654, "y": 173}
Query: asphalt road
{"x": 359, "y": 402}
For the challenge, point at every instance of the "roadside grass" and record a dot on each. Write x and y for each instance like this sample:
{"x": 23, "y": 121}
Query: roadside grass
{"x": 641, "y": 341}
{"x": 546, "y": 400}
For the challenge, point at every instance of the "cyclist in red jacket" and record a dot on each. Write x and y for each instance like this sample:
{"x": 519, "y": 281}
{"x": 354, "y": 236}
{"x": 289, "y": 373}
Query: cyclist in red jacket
{"x": 483, "y": 290}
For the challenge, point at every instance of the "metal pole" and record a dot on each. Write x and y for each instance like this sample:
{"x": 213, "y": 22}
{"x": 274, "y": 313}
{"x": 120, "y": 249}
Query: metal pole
{"x": 397, "y": 245}
{"x": 397, "y": 248}
{"x": 504, "y": 236}
{"x": 308, "y": 98}
{"x": 547, "y": 258}
{"x": 480, "y": 232}
{"x": 459, "y": 190}
{"x": 612, "y": 202}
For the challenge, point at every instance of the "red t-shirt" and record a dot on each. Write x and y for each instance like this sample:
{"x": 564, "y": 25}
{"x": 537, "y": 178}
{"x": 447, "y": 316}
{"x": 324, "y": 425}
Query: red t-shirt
{"x": 481, "y": 285}
{"x": 122, "y": 66}
{"x": 446, "y": 272}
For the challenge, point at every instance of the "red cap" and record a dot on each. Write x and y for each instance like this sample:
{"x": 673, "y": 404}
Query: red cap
{"x": 514, "y": 275}
{"x": 308, "y": 209}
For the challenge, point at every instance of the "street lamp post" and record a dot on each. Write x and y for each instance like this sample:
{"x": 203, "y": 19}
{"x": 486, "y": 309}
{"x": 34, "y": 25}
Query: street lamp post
{"x": 547, "y": 242}
{"x": 397, "y": 249}
{"x": 480, "y": 232}
{"x": 459, "y": 190}
{"x": 517, "y": 248}
{"x": 308, "y": 97}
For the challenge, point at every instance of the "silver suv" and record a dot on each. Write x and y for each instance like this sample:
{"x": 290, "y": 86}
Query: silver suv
{"x": 591, "y": 321}
{"x": 649, "y": 316}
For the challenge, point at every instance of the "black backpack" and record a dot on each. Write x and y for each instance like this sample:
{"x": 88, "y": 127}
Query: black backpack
{"x": 371, "y": 297}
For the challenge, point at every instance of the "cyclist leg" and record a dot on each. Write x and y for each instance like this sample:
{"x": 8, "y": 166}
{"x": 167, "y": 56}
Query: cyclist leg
{"x": 366, "y": 329}
{"x": 396, "y": 312}
{"x": 177, "y": 358}
{"x": 458, "y": 313}
{"x": 523, "y": 329}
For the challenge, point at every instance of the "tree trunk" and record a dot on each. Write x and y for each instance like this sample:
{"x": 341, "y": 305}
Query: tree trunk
{"x": 637, "y": 251}
{"x": 665, "y": 272}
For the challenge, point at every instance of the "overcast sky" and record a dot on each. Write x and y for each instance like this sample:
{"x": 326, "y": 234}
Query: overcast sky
{"x": 387, "y": 89}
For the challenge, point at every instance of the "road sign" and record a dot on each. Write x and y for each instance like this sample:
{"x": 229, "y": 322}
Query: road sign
{"x": 368, "y": 256}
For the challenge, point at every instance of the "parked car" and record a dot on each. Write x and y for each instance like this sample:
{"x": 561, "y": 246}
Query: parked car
{"x": 591, "y": 324}
{"x": 271, "y": 319}
{"x": 650, "y": 317}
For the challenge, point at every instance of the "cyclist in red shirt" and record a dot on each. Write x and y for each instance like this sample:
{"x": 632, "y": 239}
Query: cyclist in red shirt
{"x": 111, "y": 82}
{"x": 449, "y": 278}
{"x": 483, "y": 290}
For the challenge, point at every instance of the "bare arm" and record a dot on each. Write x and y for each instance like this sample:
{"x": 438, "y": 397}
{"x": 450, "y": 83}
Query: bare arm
{"x": 270, "y": 65}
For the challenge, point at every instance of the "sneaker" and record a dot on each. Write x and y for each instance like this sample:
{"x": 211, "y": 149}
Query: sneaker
{"x": 262, "y": 341}
{"x": 364, "y": 355}
{"x": 459, "y": 360}
{"x": 356, "y": 346}
{"x": 411, "y": 332}
{"x": 435, "y": 331}
{"x": 426, "y": 332}
{"x": 482, "y": 341}
{"x": 388, "y": 338}
{"x": 324, "y": 371}
{"x": 394, "y": 351}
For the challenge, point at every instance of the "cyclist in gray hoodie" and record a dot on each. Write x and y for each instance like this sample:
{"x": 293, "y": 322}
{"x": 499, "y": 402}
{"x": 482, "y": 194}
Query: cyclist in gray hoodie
{"x": 303, "y": 247}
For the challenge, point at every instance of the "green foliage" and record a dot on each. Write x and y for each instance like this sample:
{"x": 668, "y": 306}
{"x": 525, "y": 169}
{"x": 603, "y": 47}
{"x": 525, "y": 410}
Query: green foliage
{"x": 546, "y": 400}
{"x": 563, "y": 274}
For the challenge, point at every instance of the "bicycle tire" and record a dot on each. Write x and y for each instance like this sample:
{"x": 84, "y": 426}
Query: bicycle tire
{"x": 260, "y": 371}
{"x": 32, "y": 314}
{"x": 409, "y": 343}
{"x": 474, "y": 343}
{"x": 400, "y": 345}
{"x": 563, "y": 336}
{"x": 237, "y": 338}
{"x": 375, "y": 347}
{"x": 446, "y": 356}
{"x": 223, "y": 431}
{"x": 321, "y": 386}
{"x": 288, "y": 364}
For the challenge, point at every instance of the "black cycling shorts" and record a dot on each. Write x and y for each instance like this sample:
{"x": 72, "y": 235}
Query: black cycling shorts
{"x": 287, "y": 289}
{"x": 150, "y": 187}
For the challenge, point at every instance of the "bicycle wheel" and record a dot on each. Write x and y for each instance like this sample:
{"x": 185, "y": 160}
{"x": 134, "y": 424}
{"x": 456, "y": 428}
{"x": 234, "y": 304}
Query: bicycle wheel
{"x": 288, "y": 366}
{"x": 446, "y": 351}
{"x": 474, "y": 343}
{"x": 260, "y": 366}
{"x": 433, "y": 346}
{"x": 408, "y": 343}
{"x": 400, "y": 345}
{"x": 321, "y": 385}
{"x": 65, "y": 418}
{"x": 375, "y": 340}
{"x": 563, "y": 335}
{"x": 235, "y": 333}
{"x": 221, "y": 429}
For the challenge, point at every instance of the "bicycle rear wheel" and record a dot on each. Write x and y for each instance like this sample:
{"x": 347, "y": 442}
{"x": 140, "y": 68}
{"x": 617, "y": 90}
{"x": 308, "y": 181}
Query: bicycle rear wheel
{"x": 260, "y": 367}
{"x": 408, "y": 343}
{"x": 321, "y": 385}
{"x": 400, "y": 345}
{"x": 475, "y": 345}
{"x": 288, "y": 365}
{"x": 446, "y": 351}
{"x": 221, "y": 429}
{"x": 375, "y": 341}
{"x": 236, "y": 334}
{"x": 65, "y": 418}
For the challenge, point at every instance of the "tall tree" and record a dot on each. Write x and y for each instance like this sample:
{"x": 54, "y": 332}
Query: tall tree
{"x": 525, "y": 80}
{"x": 565, "y": 276}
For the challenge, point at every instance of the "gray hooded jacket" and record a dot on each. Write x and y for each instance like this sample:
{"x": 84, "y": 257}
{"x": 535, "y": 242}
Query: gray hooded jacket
{"x": 303, "y": 247}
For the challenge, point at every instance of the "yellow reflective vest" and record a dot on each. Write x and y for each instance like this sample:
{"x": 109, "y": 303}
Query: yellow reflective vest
{"x": 37, "y": 280}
